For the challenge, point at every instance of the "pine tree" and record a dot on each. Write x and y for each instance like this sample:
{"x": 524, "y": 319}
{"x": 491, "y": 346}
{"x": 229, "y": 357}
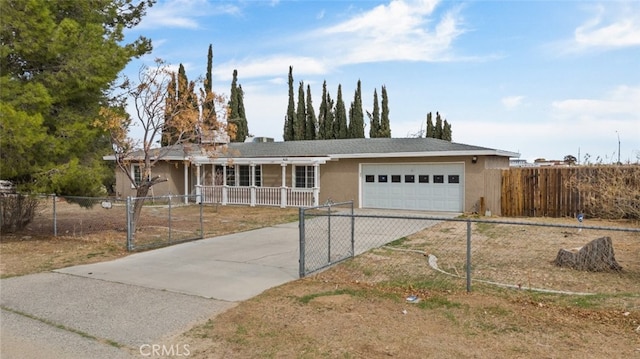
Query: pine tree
{"x": 340, "y": 129}
{"x": 430, "y": 128}
{"x": 374, "y": 117}
{"x": 446, "y": 131}
{"x": 356, "y": 115}
{"x": 290, "y": 119}
{"x": 438, "y": 129}
{"x": 58, "y": 71}
{"x": 385, "y": 127}
{"x": 311, "y": 127}
{"x": 301, "y": 115}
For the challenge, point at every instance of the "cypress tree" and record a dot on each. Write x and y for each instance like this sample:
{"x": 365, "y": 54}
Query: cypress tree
{"x": 446, "y": 131}
{"x": 322, "y": 114}
{"x": 290, "y": 118}
{"x": 209, "y": 116}
{"x": 301, "y": 116}
{"x": 170, "y": 105}
{"x": 184, "y": 103}
{"x": 311, "y": 126}
{"x": 374, "y": 118}
{"x": 241, "y": 136}
{"x": 385, "y": 127}
{"x": 430, "y": 129}
{"x": 356, "y": 115}
{"x": 438, "y": 129}
{"x": 340, "y": 129}
{"x": 330, "y": 118}
{"x": 234, "y": 115}
{"x": 208, "y": 80}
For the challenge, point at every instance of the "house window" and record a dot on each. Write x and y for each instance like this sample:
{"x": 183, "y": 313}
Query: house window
{"x": 304, "y": 177}
{"x": 382, "y": 178}
{"x": 423, "y": 178}
{"x": 370, "y": 178}
{"x": 438, "y": 179}
{"x": 231, "y": 176}
{"x": 258, "y": 176}
{"x": 239, "y": 175}
{"x": 409, "y": 178}
{"x": 136, "y": 171}
{"x": 395, "y": 178}
{"x": 454, "y": 179}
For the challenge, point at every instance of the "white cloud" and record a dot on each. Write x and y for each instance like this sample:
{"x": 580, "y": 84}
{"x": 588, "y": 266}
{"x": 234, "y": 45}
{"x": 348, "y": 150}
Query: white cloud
{"x": 401, "y": 30}
{"x": 622, "y": 103}
{"x": 621, "y": 29}
{"x": 266, "y": 67}
{"x": 183, "y": 13}
{"x": 613, "y": 25}
{"x": 511, "y": 102}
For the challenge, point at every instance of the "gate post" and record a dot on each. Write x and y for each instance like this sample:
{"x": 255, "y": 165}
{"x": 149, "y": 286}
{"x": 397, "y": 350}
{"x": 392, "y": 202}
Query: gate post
{"x": 468, "y": 255}
{"x": 301, "y": 270}
{"x": 129, "y": 227}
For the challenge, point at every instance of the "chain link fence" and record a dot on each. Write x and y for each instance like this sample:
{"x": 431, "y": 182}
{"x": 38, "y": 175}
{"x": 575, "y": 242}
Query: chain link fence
{"x": 67, "y": 216}
{"x": 419, "y": 253}
{"x": 163, "y": 220}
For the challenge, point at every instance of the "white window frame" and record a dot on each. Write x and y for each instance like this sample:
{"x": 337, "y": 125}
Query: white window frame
{"x": 233, "y": 175}
{"x": 309, "y": 176}
{"x": 136, "y": 173}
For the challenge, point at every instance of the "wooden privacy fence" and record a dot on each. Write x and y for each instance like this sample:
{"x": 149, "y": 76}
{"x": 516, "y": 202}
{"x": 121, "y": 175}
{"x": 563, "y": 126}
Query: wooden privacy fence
{"x": 599, "y": 191}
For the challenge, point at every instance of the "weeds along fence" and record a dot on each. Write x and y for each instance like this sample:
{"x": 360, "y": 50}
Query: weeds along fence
{"x": 163, "y": 220}
{"x": 416, "y": 253}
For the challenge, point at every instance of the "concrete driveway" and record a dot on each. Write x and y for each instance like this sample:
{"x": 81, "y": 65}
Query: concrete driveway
{"x": 121, "y": 308}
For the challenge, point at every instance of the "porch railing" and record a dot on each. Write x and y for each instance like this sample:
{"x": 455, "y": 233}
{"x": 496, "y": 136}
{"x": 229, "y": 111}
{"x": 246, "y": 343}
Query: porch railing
{"x": 259, "y": 196}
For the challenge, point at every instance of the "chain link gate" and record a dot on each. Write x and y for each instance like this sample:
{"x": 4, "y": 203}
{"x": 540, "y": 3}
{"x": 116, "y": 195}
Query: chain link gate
{"x": 326, "y": 236}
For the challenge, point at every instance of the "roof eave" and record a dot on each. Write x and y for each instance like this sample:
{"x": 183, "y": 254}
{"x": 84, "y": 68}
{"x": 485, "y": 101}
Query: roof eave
{"x": 483, "y": 152}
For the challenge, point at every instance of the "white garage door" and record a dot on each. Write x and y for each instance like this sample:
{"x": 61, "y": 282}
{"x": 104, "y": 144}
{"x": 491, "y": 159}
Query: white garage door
{"x": 430, "y": 187}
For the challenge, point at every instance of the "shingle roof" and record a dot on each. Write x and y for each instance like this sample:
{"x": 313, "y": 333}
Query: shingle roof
{"x": 348, "y": 147}
{"x": 345, "y": 148}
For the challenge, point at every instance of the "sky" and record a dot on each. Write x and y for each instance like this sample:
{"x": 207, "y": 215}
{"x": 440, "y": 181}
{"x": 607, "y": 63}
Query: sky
{"x": 544, "y": 79}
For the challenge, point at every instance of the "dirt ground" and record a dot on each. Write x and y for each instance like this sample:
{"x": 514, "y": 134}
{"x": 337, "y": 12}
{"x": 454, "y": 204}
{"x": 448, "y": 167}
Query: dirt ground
{"x": 89, "y": 235}
{"x": 359, "y": 308}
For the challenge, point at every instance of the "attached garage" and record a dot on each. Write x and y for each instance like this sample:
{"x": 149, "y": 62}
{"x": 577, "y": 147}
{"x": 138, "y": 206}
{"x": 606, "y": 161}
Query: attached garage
{"x": 414, "y": 186}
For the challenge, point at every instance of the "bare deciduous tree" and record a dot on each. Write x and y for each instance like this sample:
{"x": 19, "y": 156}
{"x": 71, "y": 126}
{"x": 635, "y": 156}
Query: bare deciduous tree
{"x": 154, "y": 112}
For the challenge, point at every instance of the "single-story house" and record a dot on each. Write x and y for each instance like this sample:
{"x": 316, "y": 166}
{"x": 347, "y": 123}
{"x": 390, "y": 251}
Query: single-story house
{"x": 395, "y": 173}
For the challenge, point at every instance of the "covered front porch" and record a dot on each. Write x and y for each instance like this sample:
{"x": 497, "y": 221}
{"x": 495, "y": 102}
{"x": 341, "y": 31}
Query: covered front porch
{"x": 281, "y": 182}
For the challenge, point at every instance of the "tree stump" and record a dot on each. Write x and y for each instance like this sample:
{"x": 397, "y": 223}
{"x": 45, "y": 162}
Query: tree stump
{"x": 595, "y": 256}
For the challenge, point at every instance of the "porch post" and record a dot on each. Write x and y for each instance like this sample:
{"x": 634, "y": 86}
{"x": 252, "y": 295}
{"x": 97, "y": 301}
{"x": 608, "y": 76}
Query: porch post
{"x": 198, "y": 188}
{"x": 186, "y": 182}
{"x": 224, "y": 184}
{"x": 283, "y": 189}
{"x": 316, "y": 184}
{"x": 252, "y": 183}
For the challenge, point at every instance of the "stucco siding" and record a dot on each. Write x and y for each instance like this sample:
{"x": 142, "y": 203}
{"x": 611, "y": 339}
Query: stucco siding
{"x": 340, "y": 180}
{"x": 172, "y": 171}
